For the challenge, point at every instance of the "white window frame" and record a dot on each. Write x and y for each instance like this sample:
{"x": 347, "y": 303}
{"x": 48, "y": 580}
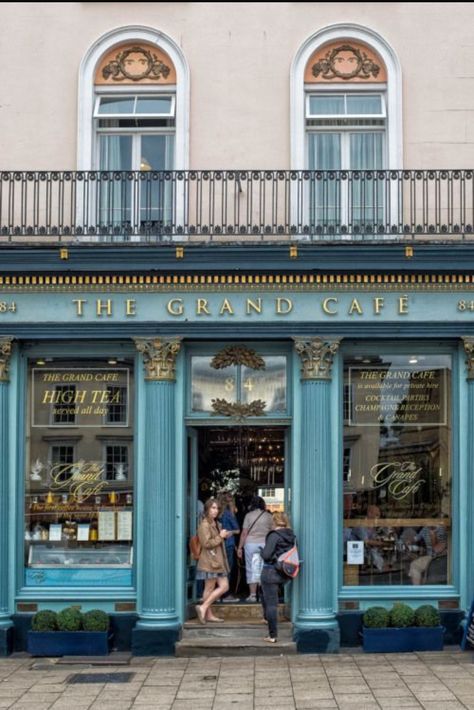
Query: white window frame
{"x": 87, "y": 91}
{"x": 393, "y": 148}
{"x": 345, "y": 131}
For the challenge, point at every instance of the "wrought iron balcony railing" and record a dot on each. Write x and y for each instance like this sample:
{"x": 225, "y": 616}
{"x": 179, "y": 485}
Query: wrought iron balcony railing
{"x": 228, "y": 205}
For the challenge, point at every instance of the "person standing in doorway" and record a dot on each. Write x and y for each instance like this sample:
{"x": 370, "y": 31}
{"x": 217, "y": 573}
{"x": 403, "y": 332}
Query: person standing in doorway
{"x": 229, "y": 522}
{"x": 279, "y": 540}
{"x": 212, "y": 566}
{"x": 257, "y": 524}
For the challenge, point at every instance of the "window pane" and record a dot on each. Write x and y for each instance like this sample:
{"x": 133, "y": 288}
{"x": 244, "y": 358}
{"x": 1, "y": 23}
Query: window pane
{"x": 154, "y": 104}
{"x": 156, "y": 195}
{"x": 397, "y": 472}
{"x": 209, "y": 384}
{"x": 326, "y": 105}
{"x": 115, "y": 196}
{"x": 116, "y": 104}
{"x": 364, "y": 104}
{"x": 79, "y": 477}
{"x": 325, "y": 154}
{"x": 268, "y": 385}
{"x": 367, "y": 194}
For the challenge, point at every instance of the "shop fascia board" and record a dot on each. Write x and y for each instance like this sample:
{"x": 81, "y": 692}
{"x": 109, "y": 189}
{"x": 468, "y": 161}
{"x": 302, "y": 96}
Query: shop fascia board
{"x": 240, "y": 258}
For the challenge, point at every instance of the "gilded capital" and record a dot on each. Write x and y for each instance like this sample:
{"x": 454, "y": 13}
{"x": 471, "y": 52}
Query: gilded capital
{"x": 469, "y": 349}
{"x": 317, "y": 357}
{"x": 5, "y": 354}
{"x": 159, "y": 357}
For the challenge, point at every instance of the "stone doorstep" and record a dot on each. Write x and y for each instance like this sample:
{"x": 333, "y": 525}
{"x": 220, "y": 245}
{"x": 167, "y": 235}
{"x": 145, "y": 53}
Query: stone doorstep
{"x": 192, "y": 647}
{"x": 229, "y": 630}
{"x": 241, "y": 612}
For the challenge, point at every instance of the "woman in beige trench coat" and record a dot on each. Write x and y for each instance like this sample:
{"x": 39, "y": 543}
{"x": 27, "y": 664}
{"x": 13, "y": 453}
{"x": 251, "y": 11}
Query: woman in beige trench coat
{"x": 212, "y": 566}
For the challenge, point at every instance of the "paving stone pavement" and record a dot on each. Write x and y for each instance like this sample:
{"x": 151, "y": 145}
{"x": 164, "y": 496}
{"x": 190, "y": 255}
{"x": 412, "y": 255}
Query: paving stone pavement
{"x": 348, "y": 681}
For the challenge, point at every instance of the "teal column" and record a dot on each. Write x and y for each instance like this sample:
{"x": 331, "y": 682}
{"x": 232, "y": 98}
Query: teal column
{"x": 5, "y": 506}
{"x": 467, "y": 555}
{"x": 158, "y": 627}
{"x": 316, "y": 627}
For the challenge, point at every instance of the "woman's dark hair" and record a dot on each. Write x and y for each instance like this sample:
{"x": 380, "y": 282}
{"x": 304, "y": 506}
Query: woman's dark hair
{"x": 257, "y": 503}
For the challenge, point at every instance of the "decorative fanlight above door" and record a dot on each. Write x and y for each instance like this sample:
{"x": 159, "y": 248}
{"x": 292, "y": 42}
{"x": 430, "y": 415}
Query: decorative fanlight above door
{"x": 238, "y": 355}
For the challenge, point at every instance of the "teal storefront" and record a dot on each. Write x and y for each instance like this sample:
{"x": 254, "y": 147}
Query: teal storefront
{"x": 345, "y": 397}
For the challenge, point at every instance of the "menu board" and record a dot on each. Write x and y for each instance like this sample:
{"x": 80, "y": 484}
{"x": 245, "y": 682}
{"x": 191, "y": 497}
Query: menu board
{"x": 124, "y": 525}
{"x": 106, "y": 525}
{"x": 397, "y": 395}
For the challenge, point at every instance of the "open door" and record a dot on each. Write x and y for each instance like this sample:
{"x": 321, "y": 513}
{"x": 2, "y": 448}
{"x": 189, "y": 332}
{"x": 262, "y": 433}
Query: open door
{"x": 192, "y": 508}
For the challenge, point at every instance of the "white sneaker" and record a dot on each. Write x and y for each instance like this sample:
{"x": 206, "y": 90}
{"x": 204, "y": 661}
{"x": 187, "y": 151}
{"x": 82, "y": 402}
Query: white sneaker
{"x": 251, "y": 599}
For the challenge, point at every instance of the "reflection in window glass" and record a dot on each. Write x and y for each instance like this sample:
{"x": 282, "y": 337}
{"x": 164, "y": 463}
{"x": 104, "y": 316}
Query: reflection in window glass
{"x": 237, "y": 383}
{"x": 79, "y": 477}
{"x": 209, "y": 383}
{"x": 268, "y": 385}
{"x": 397, "y": 472}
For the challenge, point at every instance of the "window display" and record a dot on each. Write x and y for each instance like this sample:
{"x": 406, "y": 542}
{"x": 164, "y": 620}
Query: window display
{"x": 397, "y": 469}
{"x": 79, "y": 477}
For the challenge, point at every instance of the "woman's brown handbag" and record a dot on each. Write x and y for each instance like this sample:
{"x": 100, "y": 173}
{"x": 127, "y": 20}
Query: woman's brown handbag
{"x": 195, "y": 547}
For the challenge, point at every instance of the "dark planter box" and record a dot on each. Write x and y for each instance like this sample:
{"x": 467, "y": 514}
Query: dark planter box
{"x": 68, "y": 643}
{"x": 412, "y": 638}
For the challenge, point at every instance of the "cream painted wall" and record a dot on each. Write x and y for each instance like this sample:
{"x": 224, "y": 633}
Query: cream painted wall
{"x": 239, "y": 57}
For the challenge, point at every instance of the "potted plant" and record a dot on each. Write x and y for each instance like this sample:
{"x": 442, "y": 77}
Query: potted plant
{"x": 402, "y": 629}
{"x": 69, "y": 633}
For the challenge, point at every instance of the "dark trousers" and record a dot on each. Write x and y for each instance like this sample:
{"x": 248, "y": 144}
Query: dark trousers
{"x": 270, "y": 581}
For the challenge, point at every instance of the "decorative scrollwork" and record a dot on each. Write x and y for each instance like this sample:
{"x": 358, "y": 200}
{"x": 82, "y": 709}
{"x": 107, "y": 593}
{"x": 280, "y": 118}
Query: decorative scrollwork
{"x": 135, "y": 64}
{"x": 468, "y": 343}
{"x": 317, "y": 357}
{"x": 256, "y": 408}
{"x": 159, "y": 357}
{"x": 237, "y": 355}
{"x": 345, "y": 62}
{"x": 5, "y": 354}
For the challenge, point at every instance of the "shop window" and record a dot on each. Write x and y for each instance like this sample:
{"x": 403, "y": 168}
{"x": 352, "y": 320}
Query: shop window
{"x": 79, "y": 489}
{"x": 397, "y": 470}
{"x": 252, "y": 387}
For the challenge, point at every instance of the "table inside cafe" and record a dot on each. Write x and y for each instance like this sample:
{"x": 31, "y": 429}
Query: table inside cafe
{"x": 387, "y": 540}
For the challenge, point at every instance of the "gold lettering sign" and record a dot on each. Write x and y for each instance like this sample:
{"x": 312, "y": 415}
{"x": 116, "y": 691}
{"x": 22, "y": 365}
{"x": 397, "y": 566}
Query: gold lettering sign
{"x": 397, "y": 395}
{"x": 400, "y": 478}
{"x": 80, "y": 480}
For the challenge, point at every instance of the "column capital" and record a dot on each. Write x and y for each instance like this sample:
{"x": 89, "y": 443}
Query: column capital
{"x": 317, "y": 356}
{"x": 5, "y": 354}
{"x": 159, "y": 357}
{"x": 468, "y": 342}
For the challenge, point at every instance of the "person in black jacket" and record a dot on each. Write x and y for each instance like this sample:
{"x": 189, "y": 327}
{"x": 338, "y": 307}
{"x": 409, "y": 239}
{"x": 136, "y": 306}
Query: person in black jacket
{"x": 279, "y": 540}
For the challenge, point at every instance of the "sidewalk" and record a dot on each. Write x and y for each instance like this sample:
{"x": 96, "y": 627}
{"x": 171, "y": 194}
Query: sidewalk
{"x": 349, "y": 681}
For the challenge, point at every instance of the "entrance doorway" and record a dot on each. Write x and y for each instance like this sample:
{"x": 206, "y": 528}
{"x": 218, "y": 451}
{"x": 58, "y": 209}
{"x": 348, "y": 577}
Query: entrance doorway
{"x": 245, "y": 461}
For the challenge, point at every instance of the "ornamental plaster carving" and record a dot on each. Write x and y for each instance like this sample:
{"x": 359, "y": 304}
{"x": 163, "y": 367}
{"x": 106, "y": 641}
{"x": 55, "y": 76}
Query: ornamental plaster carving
{"x": 317, "y": 357}
{"x": 468, "y": 343}
{"x": 5, "y": 354}
{"x": 159, "y": 357}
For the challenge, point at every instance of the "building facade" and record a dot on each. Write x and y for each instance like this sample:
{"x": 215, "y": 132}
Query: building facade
{"x": 236, "y": 254}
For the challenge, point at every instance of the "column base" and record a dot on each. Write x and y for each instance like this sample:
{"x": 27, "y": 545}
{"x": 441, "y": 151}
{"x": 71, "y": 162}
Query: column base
{"x": 324, "y": 637}
{"x": 6, "y": 641}
{"x": 155, "y": 641}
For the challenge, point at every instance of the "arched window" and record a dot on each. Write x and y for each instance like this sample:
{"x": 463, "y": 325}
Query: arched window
{"x": 346, "y": 116}
{"x": 133, "y": 127}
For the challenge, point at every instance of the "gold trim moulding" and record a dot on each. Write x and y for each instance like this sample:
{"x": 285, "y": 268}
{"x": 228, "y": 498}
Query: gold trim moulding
{"x": 236, "y": 282}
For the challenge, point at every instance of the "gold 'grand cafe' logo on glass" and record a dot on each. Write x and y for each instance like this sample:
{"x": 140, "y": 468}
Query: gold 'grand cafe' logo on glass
{"x": 81, "y": 480}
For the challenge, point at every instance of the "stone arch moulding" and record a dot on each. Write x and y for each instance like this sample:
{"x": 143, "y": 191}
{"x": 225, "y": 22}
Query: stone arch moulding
{"x": 363, "y": 36}
{"x": 107, "y": 42}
